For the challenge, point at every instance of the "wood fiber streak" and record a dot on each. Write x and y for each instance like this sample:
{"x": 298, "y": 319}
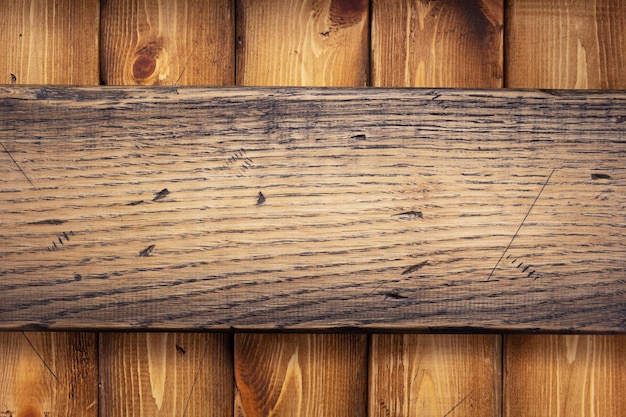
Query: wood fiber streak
{"x": 48, "y": 373}
{"x": 159, "y": 42}
{"x": 451, "y": 43}
{"x": 307, "y": 375}
{"x": 49, "y": 42}
{"x": 520, "y": 195}
{"x": 573, "y": 375}
{"x": 429, "y": 375}
{"x": 565, "y": 44}
{"x": 302, "y": 42}
{"x": 166, "y": 374}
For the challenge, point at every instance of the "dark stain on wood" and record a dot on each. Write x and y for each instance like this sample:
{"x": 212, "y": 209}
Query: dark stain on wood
{"x": 344, "y": 13}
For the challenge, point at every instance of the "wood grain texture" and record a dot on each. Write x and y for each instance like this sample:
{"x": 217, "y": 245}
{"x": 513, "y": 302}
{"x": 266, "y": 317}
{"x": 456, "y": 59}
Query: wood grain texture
{"x": 308, "y": 375}
{"x": 48, "y": 373}
{"x": 406, "y": 209}
{"x": 565, "y": 44}
{"x": 434, "y": 375}
{"x": 49, "y": 42}
{"x": 565, "y": 376}
{"x": 451, "y": 43}
{"x": 159, "y": 42}
{"x": 302, "y": 42}
{"x": 166, "y": 374}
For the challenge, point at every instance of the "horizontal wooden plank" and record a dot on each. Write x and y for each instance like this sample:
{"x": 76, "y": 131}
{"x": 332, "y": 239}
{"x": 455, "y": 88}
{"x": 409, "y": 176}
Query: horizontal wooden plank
{"x": 312, "y": 209}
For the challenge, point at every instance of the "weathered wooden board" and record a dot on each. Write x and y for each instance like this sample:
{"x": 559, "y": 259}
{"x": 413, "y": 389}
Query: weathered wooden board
{"x": 412, "y": 210}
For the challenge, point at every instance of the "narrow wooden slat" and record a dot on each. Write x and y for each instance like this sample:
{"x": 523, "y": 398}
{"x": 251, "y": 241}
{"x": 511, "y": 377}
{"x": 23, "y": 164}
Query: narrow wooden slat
{"x": 451, "y": 43}
{"x": 48, "y": 373}
{"x": 159, "y": 42}
{"x": 299, "y": 43}
{"x": 563, "y": 44}
{"x": 152, "y": 42}
{"x": 300, "y": 375}
{"x": 434, "y": 375}
{"x": 302, "y": 42}
{"x": 312, "y": 209}
{"x": 166, "y": 374}
{"x": 48, "y": 42}
{"x": 565, "y": 376}
{"x": 440, "y": 44}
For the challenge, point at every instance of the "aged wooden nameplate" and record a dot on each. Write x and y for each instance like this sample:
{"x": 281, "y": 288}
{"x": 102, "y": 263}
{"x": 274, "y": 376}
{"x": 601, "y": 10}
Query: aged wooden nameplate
{"x": 312, "y": 209}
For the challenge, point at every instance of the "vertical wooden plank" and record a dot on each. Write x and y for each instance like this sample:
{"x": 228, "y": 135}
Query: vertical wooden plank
{"x": 436, "y": 44}
{"x": 300, "y": 375}
{"x": 565, "y": 375}
{"x": 48, "y": 42}
{"x": 48, "y": 373}
{"x": 301, "y": 43}
{"x": 166, "y": 374}
{"x": 565, "y": 44}
{"x": 426, "y": 375}
{"x": 158, "y": 42}
{"x": 451, "y": 43}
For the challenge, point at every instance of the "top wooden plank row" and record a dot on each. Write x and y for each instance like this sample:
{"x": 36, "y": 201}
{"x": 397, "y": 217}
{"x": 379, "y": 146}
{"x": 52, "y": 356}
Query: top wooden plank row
{"x": 419, "y": 210}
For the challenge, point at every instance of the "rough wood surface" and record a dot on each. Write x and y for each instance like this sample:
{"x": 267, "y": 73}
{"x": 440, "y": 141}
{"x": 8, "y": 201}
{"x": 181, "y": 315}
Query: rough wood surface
{"x": 438, "y": 44}
{"x": 159, "y": 42}
{"x": 571, "y": 375}
{"x": 302, "y": 43}
{"x": 434, "y": 375}
{"x": 307, "y": 375}
{"x": 48, "y": 374}
{"x": 49, "y": 42}
{"x": 166, "y": 374}
{"x": 405, "y": 209}
{"x": 451, "y": 43}
{"x": 565, "y": 44}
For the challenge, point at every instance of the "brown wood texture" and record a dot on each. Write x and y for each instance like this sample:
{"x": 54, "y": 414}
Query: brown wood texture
{"x": 434, "y": 375}
{"x": 565, "y": 44}
{"x": 565, "y": 375}
{"x": 159, "y": 42}
{"x": 312, "y": 209}
{"x": 48, "y": 373}
{"x": 48, "y": 42}
{"x": 166, "y": 374}
{"x": 451, "y": 43}
{"x": 183, "y": 42}
{"x": 438, "y": 44}
{"x": 300, "y": 375}
{"x": 302, "y": 43}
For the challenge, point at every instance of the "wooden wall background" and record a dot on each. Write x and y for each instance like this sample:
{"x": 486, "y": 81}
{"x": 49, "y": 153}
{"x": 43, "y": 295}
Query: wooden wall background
{"x": 399, "y": 43}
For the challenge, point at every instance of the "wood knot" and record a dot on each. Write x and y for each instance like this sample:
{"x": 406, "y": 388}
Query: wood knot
{"x": 145, "y": 63}
{"x": 29, "y": 411}
{"x": 345, "y": 13}
{"x": 143, "y": 67}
